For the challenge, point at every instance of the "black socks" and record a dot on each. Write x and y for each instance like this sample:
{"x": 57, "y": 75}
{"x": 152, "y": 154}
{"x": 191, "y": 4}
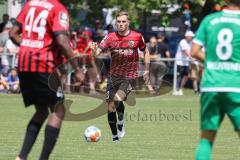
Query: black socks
{"x": 51, "y": 135}
{"x": 112, "y": 120}
{"x": 32, "y": 131}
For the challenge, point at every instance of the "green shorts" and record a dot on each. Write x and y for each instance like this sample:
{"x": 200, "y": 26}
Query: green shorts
{"x": 214, "y": 106}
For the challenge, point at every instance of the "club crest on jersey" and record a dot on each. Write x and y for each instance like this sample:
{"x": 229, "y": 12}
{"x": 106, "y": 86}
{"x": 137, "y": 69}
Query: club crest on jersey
{"x": 131, "y": 43}
{"x": 63, "y": 19}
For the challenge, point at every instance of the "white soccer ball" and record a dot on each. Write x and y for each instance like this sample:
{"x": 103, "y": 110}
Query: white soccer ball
{"x": 92, "y": 134}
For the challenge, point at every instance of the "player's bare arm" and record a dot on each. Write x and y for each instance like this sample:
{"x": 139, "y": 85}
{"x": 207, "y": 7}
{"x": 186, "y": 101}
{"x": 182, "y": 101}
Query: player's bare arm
{"x": 147, "y": 64}
{"x": 196, "y": 52}
{"x": 14, "y": 35}
{"x": 65, "y": 49}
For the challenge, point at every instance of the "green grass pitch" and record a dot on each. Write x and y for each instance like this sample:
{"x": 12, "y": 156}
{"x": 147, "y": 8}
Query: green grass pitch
{"x": 157, "y": 128}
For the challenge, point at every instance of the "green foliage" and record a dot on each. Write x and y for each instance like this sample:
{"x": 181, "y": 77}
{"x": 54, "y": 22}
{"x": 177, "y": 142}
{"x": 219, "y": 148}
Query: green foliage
{"x": 94, "y": 8}
{"x": 136, "y": 9}
{"x": 3, "y": 1}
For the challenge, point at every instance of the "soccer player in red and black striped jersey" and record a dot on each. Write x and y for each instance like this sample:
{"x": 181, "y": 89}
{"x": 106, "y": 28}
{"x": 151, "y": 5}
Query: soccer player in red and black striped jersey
{"x": 123, "y": 46}
{"x": 41, "y": 29}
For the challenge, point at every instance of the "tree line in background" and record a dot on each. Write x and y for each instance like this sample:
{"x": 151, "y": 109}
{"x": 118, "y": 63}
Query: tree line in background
{"x": 138, "y": 8}
{"x": 87, "y": 11}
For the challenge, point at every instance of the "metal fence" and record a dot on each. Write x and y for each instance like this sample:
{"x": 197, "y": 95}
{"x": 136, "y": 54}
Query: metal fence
{"x": 13, "y": 61}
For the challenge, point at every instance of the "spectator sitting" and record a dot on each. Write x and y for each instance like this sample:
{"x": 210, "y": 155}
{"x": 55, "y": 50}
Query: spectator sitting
{"x": 3, "y": 84}
{"x": 162, "y": 47}
{"x": 152, "y": 47}
{"x": 157, "y": 67}
{"x": 13, "y": 82}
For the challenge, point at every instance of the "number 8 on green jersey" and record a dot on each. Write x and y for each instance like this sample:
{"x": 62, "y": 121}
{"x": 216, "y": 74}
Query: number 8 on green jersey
{"x": 220, "y": 36}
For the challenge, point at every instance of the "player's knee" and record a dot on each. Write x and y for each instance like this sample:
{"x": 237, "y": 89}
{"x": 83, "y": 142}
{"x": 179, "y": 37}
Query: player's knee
{"x": 119, "y": 96}
{"x": 209, "y": 135}
{"x": 116, "y": 103}
{"x": 111, "y": 107}
{"x": 59, "y": 110}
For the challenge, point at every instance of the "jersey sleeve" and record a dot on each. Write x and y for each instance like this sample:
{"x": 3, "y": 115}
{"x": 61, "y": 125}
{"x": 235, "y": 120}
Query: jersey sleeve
{"x": 142, "y": 44}
{"x": 60, "y": 21}
{"x": 200, "y": 37}
{"x": 104, "y": 44}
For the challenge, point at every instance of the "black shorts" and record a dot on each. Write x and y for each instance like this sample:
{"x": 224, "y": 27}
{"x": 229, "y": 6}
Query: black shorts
{"x": 36, "y": 90}
{"x": 118, "y": 83}
{"x": 183, "y": 70}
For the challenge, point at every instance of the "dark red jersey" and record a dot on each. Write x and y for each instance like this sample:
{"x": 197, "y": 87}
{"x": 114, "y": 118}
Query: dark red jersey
{"x": 124, "y": 52}
{"x": 40, "y": 21}
{"x": 81, "y": 44}
{"x": 87, "y": 51}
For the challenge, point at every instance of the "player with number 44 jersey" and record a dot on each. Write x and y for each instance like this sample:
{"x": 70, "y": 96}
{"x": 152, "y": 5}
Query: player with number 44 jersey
{"x": 219, "y": 35}
{"x": 41, "y": 30}
{"x": 41, "y": 21}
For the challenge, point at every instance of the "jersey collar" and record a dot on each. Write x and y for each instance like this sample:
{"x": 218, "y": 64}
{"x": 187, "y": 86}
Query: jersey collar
{"x": 125, "y": 35}
{"x": 231, "y": 11}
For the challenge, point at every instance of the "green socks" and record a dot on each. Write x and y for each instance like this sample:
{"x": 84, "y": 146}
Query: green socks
{"x": 203, "y": 151}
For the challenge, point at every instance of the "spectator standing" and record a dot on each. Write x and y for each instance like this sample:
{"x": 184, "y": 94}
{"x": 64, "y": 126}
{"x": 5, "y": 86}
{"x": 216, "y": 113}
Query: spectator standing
{"x": 96, "y": 29}
{"x": 3, "y": 51}
{"x": 92, "y": 71}
{"x": 5, "y": 19}
{"x": 12, "y": 50}
{"x": 183, "y": 56}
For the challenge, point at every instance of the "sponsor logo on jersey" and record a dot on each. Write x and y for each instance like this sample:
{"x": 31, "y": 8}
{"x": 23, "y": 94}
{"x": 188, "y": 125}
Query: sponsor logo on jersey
{"x": 32, "y": 43}
{"x": 63, "y": 19}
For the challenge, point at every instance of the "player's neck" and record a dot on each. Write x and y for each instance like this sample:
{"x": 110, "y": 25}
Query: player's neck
{"x": 124, "y": 33}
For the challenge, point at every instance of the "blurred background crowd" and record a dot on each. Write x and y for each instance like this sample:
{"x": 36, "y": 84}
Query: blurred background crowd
{"x": 168, "y": 29}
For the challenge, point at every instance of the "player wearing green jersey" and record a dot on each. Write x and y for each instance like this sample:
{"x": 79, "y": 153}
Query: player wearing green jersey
{"x": 219, "y": 35}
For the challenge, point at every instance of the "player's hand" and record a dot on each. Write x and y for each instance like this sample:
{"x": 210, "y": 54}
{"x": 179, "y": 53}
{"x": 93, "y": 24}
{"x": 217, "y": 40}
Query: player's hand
{"x": 94, "y": 47}
{"x": 146, "y": 77}
{"x": 79, "y": 75}
{"x": 98, "y": 78}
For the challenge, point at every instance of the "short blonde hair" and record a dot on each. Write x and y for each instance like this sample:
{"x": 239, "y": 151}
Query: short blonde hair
{"x": 122, "y": 13}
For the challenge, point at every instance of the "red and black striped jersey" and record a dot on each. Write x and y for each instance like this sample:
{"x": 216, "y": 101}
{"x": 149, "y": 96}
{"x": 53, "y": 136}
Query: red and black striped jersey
{"x": 124, "y": 52}
{"x": 40, "y": 21}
